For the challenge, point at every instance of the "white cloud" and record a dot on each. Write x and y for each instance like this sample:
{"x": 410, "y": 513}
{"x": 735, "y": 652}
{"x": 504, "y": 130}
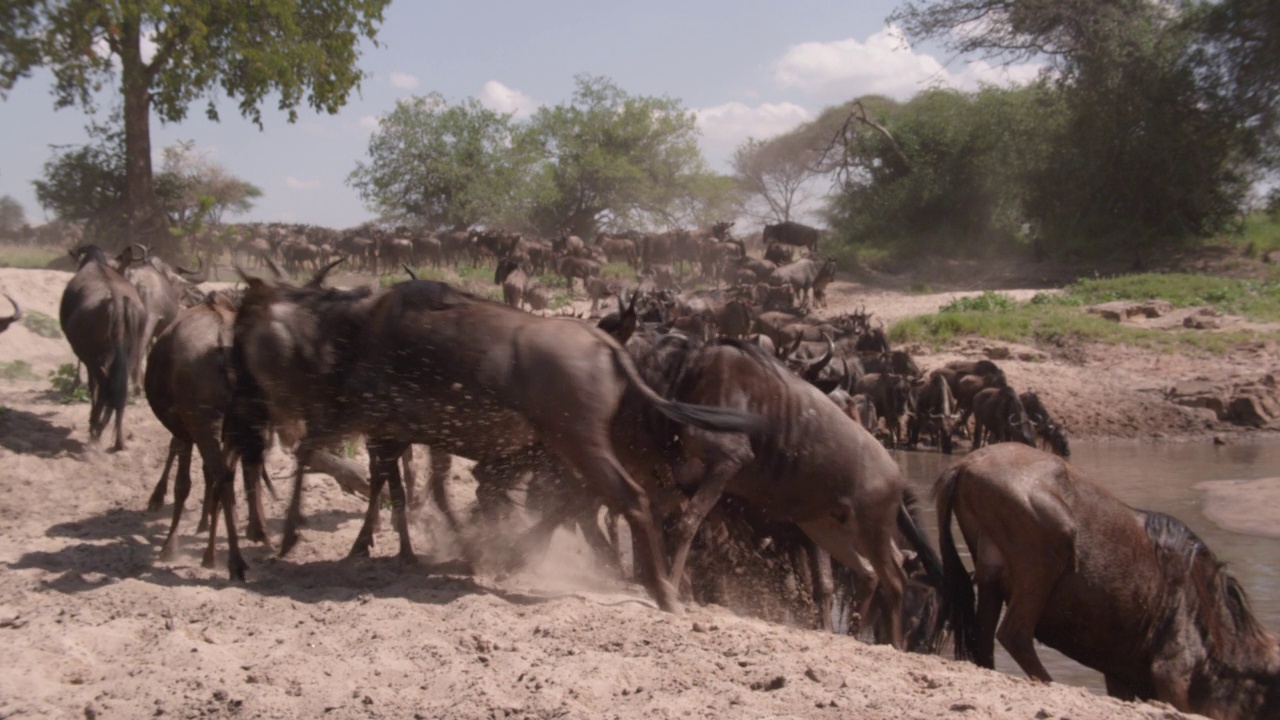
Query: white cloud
{"x": 500, "y": 98}
{"x": 885, "y": 63}
{"x": 294, "y": 183}
{"x": 368, "y": 122}
{"x": 404, "y": 81}
{"x": 724, "y": 127}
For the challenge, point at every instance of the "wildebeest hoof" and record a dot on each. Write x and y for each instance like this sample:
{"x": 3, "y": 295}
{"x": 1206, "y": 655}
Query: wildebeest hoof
{"x": 209, "y": 559}
{"x": 407, "y": 558}
{"x": 237, "y": 566}
{"x": 666, "y": 598}
{"x": 155, "y": 504}
{"x": 359, "y": 550}
{"x": 168, "y": 552}
{"x": 202, "y": 526}
{"x": 290, "y": 539}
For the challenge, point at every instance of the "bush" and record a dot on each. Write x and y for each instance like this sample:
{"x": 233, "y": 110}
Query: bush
{"x": 988, "y": 301}
{"x": 17, "y": 370}
{"x": 42, "y": 325}
{"x": 67, "y": 386}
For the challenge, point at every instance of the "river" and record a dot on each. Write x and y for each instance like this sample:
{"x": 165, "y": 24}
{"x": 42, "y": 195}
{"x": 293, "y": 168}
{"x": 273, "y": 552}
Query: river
{"x": 1162, "y": 478}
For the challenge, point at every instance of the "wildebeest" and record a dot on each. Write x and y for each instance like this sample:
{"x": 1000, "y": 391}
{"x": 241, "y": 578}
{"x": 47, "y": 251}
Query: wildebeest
{"x": 935, "y": 412}
{"x": 1051, "y": 433}
{"x": 891, "y": 395}
{"x": 189, "y": 388}
{"x": 778, "y": 254}
{"x": 571, "y": 267}
{"x": 1131, "y": 593}
{"x": 422, "y": 362}
{"x": 804, "y": 275}
{"x": 514, "y": 280}
{"x": 998, "y": 411}
{"x": 103, "y": 319}
{"x": 15, "y": 317}
{"x": 819, "y": 470}
{"x": 792, "y": 233}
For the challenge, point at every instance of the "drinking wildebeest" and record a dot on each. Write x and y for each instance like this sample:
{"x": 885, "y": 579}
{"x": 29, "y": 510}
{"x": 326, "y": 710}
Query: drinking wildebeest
{"x": 422, "y": 362}
{"x": 1131, "y": 593}
{"x": 998, "y": 411}
{"x": 1053, "y": 435}
{"x": 103, "y": 319}
{"x": 15, "y": 317}
{"x": 189, "y": 388}
{"x": 935, "y": 413}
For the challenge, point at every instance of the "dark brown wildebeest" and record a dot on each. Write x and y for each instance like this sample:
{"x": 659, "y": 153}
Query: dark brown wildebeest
{"x": 998, "y": 411}
{"x": 778, "y": 254}
{"x": 15, "y": 317}
{"x": 761, "y": 269}
{"x": 189, "y": 389}
{"x": 619, "y": 249}
{"x": 1053, "y": 435}
{"x": 1131, "y": 593}
{"x": 792, "y": 233}
{"x": 427, "y": 249}
{"x": 819, "y": 470}
{"x": 803, "y": 274}
{"x": 103, "y": 319}
{"x": 935, "y": 413}
{"x": 165, "y": 291}
{"x": 891, "y": 395}
{"x": 421, "y": 362}
{"x": 899, "y": 362}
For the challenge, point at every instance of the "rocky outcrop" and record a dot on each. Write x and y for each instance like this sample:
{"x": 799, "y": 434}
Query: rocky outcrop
{"x": 1250, "y": 403}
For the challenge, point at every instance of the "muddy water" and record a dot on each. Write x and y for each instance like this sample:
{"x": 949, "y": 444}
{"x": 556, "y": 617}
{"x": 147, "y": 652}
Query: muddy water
{"x": 1162, "y": 478}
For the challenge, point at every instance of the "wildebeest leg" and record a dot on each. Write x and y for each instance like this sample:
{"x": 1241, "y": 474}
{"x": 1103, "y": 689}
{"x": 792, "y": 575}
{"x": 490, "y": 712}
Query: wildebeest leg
{"x": 410, "y": 477}
{"x": 859, "y": 539}
{"x": 162, "y": 485}
{"x": 181, "y": 488}
{"x": 977, "y": 432}
{"x": 1116, "y": 688}
{"x": 384, "y": 467}
{"x": 823, "y": 585}
{"x": 705, "y": 498}
{"x": 596, "y": 463}
{"x": 253, "y": 475}
{"x": 990, "y": 603}
{"x": 225, "y": 495}
{"x": 1018, "y": 627}
{"x": 293, "y": 516}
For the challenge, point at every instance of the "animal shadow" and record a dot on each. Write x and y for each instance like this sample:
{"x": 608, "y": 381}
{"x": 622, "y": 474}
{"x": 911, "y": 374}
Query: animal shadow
{"x": 31, "y": 434}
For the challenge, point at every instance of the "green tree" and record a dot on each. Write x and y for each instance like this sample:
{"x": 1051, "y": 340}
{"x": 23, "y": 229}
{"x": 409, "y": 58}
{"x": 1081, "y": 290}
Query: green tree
{"x": 1149, "y": 150}
{"x": 441, "y": 165}
{"x": 607, "y": 159}
{"x": 296, "y": 52}
{"x": 12, "y": 218}
{"x": 84, "y": 183}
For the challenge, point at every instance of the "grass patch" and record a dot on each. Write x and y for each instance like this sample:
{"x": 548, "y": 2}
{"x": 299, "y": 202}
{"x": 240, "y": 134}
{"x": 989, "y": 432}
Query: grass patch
{"x": 24, "y": 256}
{"x": 1059, "y": 320}
{"x": 1257, "y": 236}
{"x": 920, "y": 288}
{"x": 618, "y": 271}
{"x": 41, "y": 324}
{"x": 17, "y": 370}
{"x": 67, "y": 386}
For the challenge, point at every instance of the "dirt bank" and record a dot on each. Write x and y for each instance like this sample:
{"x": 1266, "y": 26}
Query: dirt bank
{"x": 94, "y": 627}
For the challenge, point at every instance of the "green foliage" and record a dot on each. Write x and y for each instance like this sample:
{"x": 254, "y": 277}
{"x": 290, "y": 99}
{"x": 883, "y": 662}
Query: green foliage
{"x": 81, "y": 182}
{"x": 67, "y": 386}
{"x": 22, "y": 256}
{"x": 1056, "y": 318}
{"x": 774, "y": 173}
{"x": 441, "y": 165}
{"x": 971, "y": 156}
{"x": 988, "y": 301}
{"x": 12, "y": 216}
{"x": 17, "y": 370}
{"x": 42, "y": 325}
{"x": 920, "y": 288}
{"x": 607, "y": 158}
{"x": 618, "y": 271}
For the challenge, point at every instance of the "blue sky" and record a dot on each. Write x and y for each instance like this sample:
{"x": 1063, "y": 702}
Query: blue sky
{"x": 747, "y": 68}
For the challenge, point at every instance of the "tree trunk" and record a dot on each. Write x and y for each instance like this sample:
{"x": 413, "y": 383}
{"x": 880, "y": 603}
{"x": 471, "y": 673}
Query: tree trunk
{"x": 147, "y": 222}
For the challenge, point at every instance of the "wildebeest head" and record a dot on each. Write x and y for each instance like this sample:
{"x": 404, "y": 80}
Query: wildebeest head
{"x": 17, "y": 314}
{"x": 1053, "y": 434}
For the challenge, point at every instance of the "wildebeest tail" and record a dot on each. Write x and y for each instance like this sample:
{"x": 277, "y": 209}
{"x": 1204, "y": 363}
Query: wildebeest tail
{"x": 957, "y": 589}
{"x": 705, "y": 417}
{"x": 117, "y": 390}
{"x": 909, "y": 526}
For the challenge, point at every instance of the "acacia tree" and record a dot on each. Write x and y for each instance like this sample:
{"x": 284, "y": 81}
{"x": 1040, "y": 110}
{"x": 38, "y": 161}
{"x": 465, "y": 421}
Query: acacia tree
{"x": 12, "y": 217}
{"x": 303, "y": 53}
{"x": 441, "y": 165}
{"x": 610, "y": 159}
{"x": 776, "y": 172}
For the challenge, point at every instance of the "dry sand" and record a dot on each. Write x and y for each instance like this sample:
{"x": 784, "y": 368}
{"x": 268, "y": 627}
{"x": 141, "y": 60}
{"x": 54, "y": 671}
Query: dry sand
{"x": 92, "y": 626}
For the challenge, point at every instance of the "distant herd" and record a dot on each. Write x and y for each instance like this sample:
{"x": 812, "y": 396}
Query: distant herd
{"x": 736, "y": 391}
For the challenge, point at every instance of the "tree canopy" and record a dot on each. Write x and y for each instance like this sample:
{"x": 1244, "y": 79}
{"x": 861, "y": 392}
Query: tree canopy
{"x": 297, "y": 53}
{"x": 440, "y": 165}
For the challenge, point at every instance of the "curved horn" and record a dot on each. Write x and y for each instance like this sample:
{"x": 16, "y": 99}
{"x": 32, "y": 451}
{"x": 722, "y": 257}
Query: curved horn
{"x": 412, "y": 275}
{"x": 847, "y": 384}
{"x": 317, "y": 279}
{"x": 146, "y": 252}
{"x": 197, "y": 276}
{"x": 17, "y": 310}
{"x": 816, "y": 367}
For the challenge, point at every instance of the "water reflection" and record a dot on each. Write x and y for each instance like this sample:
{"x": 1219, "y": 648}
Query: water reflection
{"x": 1162, "y": 478}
